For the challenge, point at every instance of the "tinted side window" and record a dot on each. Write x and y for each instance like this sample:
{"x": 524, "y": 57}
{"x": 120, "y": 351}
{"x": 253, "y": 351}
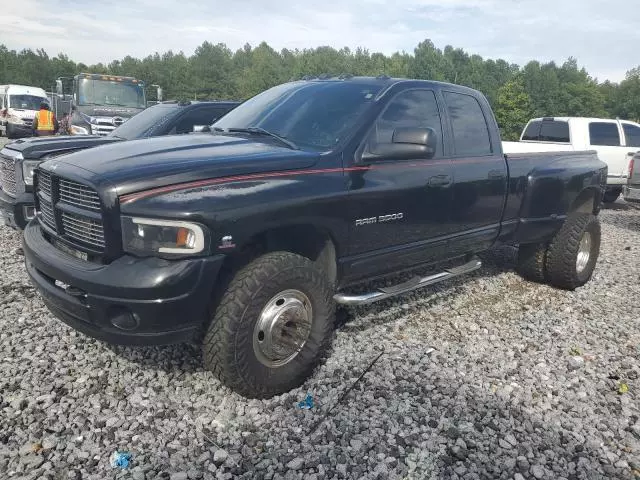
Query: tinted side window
{"x": 632, "y": 134}
{"x": 604, "y": 133}
{"x": 532, "y": 132}
{"x": 197, "y": 116}
{"x": 470, "y": 131}
{"x": 413, "y": 108}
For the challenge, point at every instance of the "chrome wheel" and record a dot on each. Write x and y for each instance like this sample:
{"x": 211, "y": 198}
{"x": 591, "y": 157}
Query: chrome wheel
{"x": 283, "y": 328}
{"x": 584, "y": 252}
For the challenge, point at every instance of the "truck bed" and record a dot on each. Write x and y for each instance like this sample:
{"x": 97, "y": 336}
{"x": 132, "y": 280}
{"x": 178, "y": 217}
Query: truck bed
{"x": 543, "y": 186}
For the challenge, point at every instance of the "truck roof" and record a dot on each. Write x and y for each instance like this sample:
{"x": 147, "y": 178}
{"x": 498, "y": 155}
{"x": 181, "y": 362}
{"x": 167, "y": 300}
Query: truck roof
{"x": 113, "y": 78}
{"x": 581, "y": 119}
{"x": 28, "y": 89}
{"x": 387, "y": 82}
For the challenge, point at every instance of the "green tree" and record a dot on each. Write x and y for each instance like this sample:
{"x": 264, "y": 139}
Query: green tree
{"x": 513, "y": 108}
{"x": 213, "y": 71}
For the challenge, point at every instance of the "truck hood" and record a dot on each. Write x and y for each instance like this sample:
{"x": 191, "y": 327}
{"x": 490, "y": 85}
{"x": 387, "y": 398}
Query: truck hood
{"x": 139, "y": 165}
{"x": 35, "y": 148}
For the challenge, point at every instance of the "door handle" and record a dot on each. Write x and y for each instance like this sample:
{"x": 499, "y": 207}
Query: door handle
{"x": 496, "y": 174}
{"x": 440, "y": 180}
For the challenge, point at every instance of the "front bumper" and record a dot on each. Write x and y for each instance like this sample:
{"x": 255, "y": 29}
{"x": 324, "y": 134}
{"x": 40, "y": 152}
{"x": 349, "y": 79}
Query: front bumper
{"x": 17, "y": 211}
{"x": 631, "y": 193}
{"x": 160, "y": 301}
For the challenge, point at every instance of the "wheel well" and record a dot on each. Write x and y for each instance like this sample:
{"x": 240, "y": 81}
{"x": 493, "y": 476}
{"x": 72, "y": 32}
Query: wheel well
{"x": 585, "y": 202}
{"x": 305, "y": 240}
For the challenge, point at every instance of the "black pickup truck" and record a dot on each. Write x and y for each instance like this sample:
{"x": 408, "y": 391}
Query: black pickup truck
{"x": 19, "y": 159}
{"x": 247, "y": 237}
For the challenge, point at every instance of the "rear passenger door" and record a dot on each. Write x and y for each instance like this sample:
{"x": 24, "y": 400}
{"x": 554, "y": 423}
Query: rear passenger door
{"x": 606, "y": 138}
{"x": 479, "y": 171}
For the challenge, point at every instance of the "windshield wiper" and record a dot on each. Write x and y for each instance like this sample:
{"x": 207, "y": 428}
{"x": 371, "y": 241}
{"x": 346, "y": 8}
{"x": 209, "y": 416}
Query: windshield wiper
{"x": 262, "y": 131}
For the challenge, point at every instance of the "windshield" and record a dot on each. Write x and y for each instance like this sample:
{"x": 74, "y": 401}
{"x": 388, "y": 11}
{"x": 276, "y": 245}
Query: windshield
{"x": 316, "y": 115}
{"x": 104, "y": 92}
{"x": 141, "y": 124}
{"x": 26, "y": 102}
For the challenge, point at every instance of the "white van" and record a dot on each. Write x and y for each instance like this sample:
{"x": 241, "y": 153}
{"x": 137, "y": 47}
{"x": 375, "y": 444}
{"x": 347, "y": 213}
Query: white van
{"x": 18, "y": 106}
{"x": 612, "y": 139}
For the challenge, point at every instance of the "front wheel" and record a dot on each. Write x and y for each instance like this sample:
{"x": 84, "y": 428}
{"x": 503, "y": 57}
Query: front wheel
{"x": 271, "y": 327}
{"x": 573, "y": 252}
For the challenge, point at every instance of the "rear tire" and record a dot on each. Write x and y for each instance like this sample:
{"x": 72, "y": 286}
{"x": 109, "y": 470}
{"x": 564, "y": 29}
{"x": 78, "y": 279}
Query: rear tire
{"x": 531, "y": 262}
{"x": 573, "y": 252}
{"x": 272, "y": 326}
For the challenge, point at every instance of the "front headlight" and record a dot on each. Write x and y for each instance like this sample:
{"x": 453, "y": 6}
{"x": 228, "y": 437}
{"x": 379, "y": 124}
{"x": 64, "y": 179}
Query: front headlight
{"x": 15, "y": 120}
{"x": 150, "y": 236}
{"x": 76, "y": 130}
{"x": 28, "y": 167}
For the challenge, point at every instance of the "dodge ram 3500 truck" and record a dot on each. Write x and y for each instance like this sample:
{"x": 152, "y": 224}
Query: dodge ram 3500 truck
{"x": 247, "y": 237}
{"x": 19, "y": 159}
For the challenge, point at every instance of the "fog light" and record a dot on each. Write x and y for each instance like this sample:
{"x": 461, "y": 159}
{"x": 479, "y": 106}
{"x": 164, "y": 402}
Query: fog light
{"x": 125, "y": 320}
{"x": 29, "y": 212}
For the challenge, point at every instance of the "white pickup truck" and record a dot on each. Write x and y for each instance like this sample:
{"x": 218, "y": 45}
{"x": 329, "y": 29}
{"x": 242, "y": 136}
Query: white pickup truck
{"x": 611, "y": 139}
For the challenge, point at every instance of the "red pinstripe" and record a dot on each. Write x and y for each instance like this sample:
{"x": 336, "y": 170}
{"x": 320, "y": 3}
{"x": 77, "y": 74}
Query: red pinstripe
{"x": 132, "y": 197}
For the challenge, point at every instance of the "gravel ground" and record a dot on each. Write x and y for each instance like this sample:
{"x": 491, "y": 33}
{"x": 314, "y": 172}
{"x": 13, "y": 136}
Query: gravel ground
{"x": 525, "y": 382}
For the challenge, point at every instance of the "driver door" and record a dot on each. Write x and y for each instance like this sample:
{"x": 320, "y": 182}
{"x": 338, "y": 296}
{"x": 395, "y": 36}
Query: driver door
{"x": 400, "y": 207}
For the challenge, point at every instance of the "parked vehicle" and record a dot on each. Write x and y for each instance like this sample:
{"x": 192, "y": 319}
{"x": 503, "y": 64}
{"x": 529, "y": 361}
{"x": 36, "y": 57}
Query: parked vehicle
{"x": 99, "y": 103}
{"x": 631, "y": 191}
{"x": 612, "y": 139}
{"x": 19, "y": 159}
{"x": 251, "y": 234}
{"x": 18, "y": 106}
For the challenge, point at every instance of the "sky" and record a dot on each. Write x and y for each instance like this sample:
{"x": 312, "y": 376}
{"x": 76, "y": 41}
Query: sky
{"x": 604, "y": 40}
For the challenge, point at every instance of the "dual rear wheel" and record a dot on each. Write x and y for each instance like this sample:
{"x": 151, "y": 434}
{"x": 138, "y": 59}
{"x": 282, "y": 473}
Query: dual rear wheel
{"x": 568, "y": 261}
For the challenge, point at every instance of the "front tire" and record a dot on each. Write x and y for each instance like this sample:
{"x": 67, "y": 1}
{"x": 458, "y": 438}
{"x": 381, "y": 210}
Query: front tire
{"x": 272, "y": 326}
{"x": 573, "y": 252}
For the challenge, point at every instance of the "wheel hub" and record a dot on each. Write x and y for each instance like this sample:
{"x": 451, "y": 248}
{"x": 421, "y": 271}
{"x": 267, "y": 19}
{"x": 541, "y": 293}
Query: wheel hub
{"x": 584, "y": 252}
{"x": 283, "y": 328}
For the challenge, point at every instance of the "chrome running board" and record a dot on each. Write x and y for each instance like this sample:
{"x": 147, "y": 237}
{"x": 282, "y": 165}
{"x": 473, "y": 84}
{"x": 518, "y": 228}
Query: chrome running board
{"x": 409, "y": 285}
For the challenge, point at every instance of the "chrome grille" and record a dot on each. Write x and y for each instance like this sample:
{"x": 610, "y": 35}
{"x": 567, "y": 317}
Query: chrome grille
{"x": 8, "y": 176}
{"x": 84, "y": 229}
{"x": 47, "y": 214}
{"x": 78, "y": 195}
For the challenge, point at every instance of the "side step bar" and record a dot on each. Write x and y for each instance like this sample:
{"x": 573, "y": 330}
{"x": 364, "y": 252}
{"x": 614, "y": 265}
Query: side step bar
{"x": 412, "y": 284}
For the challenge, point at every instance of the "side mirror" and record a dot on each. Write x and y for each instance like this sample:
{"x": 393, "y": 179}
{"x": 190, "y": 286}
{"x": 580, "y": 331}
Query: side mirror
{"x": 407, "y": 143}
{"x": 59, "y": 87}
{"x": 201, "y": 128}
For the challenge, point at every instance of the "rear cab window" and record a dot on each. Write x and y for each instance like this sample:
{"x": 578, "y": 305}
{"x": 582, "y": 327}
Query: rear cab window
{"x": 555, "y": 131}
{"x": 604, "y": 134}
{"x": 470, "y": 130}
